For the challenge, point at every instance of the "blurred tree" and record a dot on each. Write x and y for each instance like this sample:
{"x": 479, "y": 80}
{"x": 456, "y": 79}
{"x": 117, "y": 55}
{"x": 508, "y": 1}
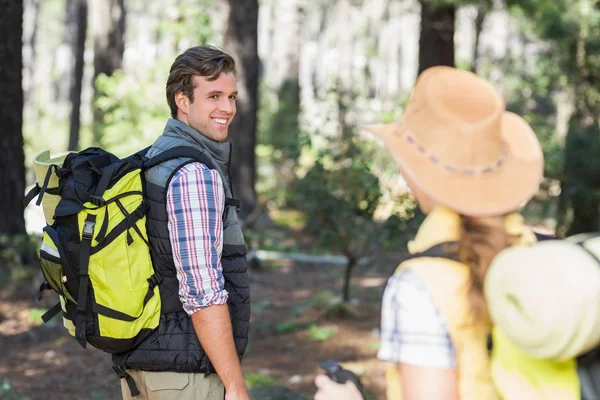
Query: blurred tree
{"x": 340, "y": 195}
{"x": 109, "y": 45}
{"x": 573, "y": 27}
{"x": 283, "y": 128}
{"x": 12, "y": 162}
{"x": 483, "y": 8}
{"x": 241, "y": 40}
{"x": 30, "y": 37}
{"x": 582, "y": 191}
{"x": 436, "y": 42}
{"x": 77, "y": 13}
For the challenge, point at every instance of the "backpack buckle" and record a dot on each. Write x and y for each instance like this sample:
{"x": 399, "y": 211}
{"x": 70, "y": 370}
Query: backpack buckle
{"x": 88, "y": 230}
{"x": 98, "y": 201}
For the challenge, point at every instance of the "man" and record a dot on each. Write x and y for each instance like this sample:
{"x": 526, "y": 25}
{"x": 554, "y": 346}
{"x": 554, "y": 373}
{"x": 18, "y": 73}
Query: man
{"x": 197, "y": 245}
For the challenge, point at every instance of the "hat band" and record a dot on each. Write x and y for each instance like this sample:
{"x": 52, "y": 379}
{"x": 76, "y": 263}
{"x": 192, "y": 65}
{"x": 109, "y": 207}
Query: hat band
{"x": 470, "y": 171}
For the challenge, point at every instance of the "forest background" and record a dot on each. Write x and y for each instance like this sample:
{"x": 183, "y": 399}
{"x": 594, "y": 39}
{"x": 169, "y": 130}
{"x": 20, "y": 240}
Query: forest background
{"x": 322, "y": 203}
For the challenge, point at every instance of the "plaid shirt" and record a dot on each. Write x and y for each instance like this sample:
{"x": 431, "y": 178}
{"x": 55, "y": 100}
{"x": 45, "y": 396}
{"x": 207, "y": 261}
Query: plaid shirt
{"x": 412, "y": 329}
{"x": 195, "y": 205}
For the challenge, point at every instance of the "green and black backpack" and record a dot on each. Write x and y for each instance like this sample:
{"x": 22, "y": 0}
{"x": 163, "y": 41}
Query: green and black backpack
{"x": 95, "y": 255}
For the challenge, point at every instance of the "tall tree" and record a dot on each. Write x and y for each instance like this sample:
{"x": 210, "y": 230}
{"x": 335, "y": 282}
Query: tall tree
{"x": 77, "y": 12}
{"x": 436, "y": 42}
{"x": 109, "y": 45}
{"x": 241, "y": 40}
{"x": 30, "y": 41}
{"x": 573, "y": 26}
{"x": 12, "y": 162}
{"x": 284, "y": 125}
{"x": 482, "y": 10}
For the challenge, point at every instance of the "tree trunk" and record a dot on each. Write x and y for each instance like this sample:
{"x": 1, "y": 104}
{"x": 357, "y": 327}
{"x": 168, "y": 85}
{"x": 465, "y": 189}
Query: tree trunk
{"x": 31, "y": 40}
{"x": 77, "y": 36}
{"x": 436, "y": 43}
{"x": 12, "y": 162}
{"x": 109, "y": 45}
{"x": 347, "y": 278}
{"x": 241, "y": 40}
{"x": 479, "y": 20}
{"x": 285, "y": 125}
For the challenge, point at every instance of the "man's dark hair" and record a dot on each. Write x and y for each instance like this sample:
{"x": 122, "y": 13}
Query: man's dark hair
{"x": 207, "y": 61}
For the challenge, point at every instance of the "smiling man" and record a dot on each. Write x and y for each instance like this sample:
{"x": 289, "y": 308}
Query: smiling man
{"x": 196, "y": 244}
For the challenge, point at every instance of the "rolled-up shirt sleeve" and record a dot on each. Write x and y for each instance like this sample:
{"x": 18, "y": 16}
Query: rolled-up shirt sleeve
{"x": 195, "y": 205}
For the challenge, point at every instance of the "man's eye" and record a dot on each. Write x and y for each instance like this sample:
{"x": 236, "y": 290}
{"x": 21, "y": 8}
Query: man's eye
{"x": 214, "y": 96}
{"x": 233, "y": 97}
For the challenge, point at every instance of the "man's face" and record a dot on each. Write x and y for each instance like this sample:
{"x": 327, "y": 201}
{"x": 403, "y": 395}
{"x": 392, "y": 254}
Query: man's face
{"x": 213, "y": 108}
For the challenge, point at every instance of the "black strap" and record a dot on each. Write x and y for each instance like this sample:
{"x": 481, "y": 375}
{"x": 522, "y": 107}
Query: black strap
{"x": 120, "y": 370}
{"x": 440, "y": 250}
{"x": 84, "y": 278}
{"x": 102, "y": 232}
{"x": 43, "y": 287}
{"x": 543, "y": 237}
{"x": 107, "y": 175}
{"x": 153, "y": 281}
{"x": 51, "y": 168}
{"x": 125, "y": 224}
{"x": 588, "y": 371}
{"x": 131, "y": 220}
{"x": 232, "y": 202}
{"x": 178, "y": 152}
{"x": 98, "y": 201}
{"x": 31, "y": 194}
{"x": 52, "y": 312}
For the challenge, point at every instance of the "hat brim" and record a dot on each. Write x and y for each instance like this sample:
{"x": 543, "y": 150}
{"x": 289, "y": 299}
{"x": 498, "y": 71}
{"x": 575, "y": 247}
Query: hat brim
{"x": 497, "y": 192}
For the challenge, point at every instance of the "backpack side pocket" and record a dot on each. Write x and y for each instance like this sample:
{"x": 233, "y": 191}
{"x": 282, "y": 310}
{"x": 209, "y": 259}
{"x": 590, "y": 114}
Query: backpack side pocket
{"x": 55, "y": 266}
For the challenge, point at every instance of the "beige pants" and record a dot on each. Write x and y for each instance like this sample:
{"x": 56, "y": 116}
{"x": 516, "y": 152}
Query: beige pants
{"x": 174, "y": 386}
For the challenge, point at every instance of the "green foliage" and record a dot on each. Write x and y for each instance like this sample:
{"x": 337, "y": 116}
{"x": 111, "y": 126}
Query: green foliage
{"x": 130, "y": 107}
{"x": 280, "y": 140}
{"x": 134, "y": 109}
{"x": 34, "y": 316}
{"x": 340, "y": 311}
{"x": 581, "y": 187}
{"x": 573, "y": 29}
{"x": 274, "y": 393}
{"x": 341, "y": 194}
{"x": 550, "y": 17}
{"x": 320, "y": 334}
{"x": 532, "y": 93}
{"x": 321, "y": 300}
{"x": 286, "y": 327}
{"x": 256, "y": 380}
{"x": 18, "y": 258}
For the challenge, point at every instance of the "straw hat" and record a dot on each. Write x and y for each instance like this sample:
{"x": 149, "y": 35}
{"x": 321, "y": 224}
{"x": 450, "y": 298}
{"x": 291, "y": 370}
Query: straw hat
{"x": 546, "y": 297}
{"x": 41, "y": 164}
{"x": 461, "y": 147}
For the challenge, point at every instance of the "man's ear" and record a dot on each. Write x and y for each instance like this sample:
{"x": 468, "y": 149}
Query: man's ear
{"x": 182, "y": 101}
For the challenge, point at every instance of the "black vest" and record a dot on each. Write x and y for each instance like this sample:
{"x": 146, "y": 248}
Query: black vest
{"x": 174, "y": 346}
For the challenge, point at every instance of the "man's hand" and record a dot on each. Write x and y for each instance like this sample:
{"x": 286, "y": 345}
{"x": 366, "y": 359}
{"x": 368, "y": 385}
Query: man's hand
{"x": 329, "y": 390}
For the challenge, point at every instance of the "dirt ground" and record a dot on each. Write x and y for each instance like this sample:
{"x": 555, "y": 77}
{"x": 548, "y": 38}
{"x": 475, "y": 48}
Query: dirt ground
{"x": 289, "y": 337}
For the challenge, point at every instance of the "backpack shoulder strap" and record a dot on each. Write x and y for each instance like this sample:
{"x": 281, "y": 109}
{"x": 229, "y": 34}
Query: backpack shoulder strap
{"x": 178, "y": 152}
{"x": 440, "y": 250}
{"x": 186, "y": 152}
{"x": 542, "y": 237}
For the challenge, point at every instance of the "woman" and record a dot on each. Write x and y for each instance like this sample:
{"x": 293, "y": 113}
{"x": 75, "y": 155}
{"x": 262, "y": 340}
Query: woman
{"x": 470, "y": 165}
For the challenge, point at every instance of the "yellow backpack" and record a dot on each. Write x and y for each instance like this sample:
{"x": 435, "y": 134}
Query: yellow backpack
{"x": 95, "y": 252}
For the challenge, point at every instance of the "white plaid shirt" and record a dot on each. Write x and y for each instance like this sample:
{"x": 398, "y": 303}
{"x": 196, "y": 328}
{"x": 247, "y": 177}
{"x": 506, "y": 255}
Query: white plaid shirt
{"x": 412, "y": 329}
